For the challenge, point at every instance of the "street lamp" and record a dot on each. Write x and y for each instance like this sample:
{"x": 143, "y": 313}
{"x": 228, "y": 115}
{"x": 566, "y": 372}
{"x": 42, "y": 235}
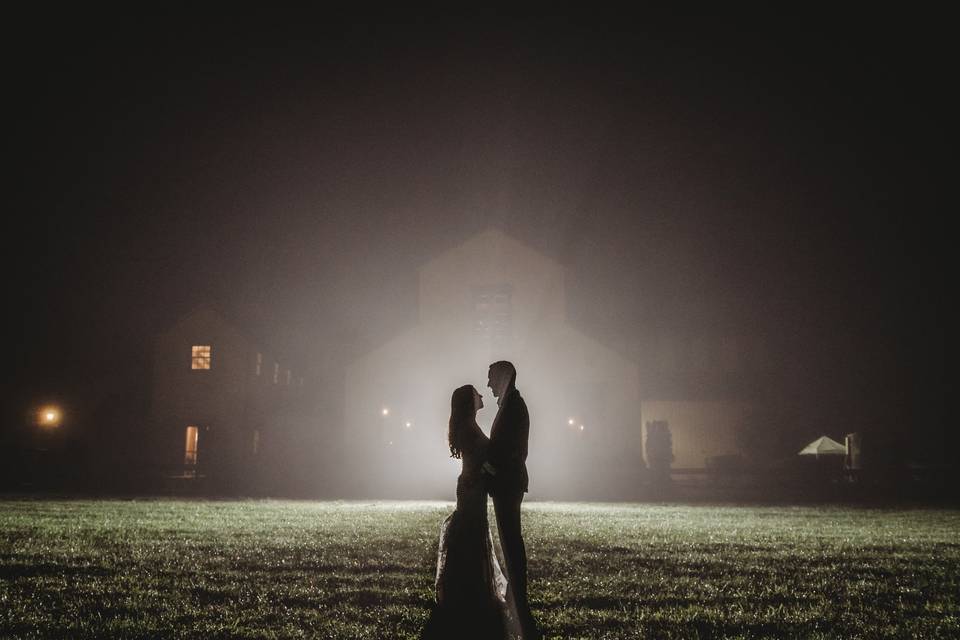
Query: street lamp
{"x": 49, "y": 416}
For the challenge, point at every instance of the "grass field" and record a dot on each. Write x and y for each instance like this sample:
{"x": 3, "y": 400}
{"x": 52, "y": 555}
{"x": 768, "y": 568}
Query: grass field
{"x": 246, "y": 569}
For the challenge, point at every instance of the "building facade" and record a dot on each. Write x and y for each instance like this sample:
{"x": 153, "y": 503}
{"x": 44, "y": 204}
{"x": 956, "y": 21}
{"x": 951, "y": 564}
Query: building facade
{"x": 705, "y": 386}
{"x": 221, "y": 404}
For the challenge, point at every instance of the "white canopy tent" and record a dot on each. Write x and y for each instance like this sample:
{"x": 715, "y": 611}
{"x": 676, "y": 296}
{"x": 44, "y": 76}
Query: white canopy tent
{"x": 824, "y": 446}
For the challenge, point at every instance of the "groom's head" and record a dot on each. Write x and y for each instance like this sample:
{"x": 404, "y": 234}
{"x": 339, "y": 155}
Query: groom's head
{"x": 501, "y": 376}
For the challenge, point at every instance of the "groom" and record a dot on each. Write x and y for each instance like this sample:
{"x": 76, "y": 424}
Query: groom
{"x": 507, "y": 481}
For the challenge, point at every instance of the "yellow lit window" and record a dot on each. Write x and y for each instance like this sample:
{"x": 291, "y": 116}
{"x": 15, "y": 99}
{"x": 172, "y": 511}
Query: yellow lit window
{"x": 200, "y": 356}
{"x": 190, "y": 449}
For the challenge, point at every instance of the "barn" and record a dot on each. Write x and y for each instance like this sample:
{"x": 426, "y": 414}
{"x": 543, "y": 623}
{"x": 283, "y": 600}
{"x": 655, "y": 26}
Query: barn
{"x": 490, "y": 298}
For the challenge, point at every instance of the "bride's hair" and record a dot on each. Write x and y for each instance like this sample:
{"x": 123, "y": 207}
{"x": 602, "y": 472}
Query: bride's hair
{"x": 462, "y": 415}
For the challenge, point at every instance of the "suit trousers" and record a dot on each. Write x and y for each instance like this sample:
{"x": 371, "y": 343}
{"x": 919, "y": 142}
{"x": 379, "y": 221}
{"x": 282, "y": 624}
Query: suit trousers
{"x": 506, "y": 505}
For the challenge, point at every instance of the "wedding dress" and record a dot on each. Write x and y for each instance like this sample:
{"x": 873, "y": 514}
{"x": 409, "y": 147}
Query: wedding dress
{"x": 472, "y": 600}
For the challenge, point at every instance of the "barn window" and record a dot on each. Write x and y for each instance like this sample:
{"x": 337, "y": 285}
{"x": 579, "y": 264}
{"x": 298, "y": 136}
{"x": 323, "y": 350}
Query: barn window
{"x": 200, "y": 356}
{"x": 492, "y": 312}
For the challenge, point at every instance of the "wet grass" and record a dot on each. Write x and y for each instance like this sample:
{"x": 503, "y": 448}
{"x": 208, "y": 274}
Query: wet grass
{"x": 272, "y": 569}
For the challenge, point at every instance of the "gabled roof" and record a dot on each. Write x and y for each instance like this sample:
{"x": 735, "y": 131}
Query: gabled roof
{"x": 493, "y": 233}
{"x": 210, "y": 310}
{"x": 823, "y": 446}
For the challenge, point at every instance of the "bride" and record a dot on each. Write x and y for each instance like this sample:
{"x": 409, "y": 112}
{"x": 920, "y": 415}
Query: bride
{"x": 472, "y": 599}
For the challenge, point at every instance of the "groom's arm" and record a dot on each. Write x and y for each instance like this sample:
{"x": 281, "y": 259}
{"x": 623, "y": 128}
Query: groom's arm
{"x": 510, "y": 447}
{"x": 523, "y": 431}
{"x": 516, "y": 449}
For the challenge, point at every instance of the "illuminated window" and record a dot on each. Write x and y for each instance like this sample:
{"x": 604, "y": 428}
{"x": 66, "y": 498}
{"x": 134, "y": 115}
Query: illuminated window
{"x": 492, "y": 312}
{"x": 276, "y": 372}
{"x": 190, "y": 450}
{"x": 200, "y": 356}
{"x": 256, "y": 442}
{"x": 289, "y": 376}
{"x": 259, "y": 362}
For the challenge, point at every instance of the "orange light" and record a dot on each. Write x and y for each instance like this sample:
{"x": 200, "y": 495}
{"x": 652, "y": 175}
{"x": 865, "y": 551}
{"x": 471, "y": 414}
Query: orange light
{"x": 49, "y": 417}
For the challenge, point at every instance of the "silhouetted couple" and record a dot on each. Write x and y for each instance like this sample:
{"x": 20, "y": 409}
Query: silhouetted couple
{"x": 474, "y": 599}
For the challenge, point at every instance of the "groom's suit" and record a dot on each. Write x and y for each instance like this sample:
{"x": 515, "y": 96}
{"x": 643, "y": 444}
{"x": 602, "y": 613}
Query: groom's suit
{"x": 508, "y": 454}
{"x": 508, "y": 444}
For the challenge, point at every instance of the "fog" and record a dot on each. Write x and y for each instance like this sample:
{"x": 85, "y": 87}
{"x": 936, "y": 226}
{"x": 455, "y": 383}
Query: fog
{"x": 689, "y": 198}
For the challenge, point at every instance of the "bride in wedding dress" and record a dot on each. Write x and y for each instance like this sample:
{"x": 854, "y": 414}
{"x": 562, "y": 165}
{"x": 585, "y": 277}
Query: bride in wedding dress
{"x": 472, "y": 599}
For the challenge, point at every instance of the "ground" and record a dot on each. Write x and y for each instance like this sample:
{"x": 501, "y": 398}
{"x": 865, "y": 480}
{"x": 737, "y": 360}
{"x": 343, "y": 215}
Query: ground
{"x": 290, "y": 569}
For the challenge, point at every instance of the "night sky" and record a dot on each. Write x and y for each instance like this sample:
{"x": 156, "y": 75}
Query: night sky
{"x": 296, "y": 170}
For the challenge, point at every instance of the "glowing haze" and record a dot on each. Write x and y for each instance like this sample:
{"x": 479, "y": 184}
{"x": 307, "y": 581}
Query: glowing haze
{"x": 708, "y": 215}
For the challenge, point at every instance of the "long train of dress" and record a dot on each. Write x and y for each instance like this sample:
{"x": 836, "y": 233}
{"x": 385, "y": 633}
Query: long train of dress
{"x": 473, "y": 600}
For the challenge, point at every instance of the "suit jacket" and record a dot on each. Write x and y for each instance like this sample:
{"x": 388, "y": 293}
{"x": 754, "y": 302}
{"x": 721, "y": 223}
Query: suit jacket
{"x": 508, "y": 445}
